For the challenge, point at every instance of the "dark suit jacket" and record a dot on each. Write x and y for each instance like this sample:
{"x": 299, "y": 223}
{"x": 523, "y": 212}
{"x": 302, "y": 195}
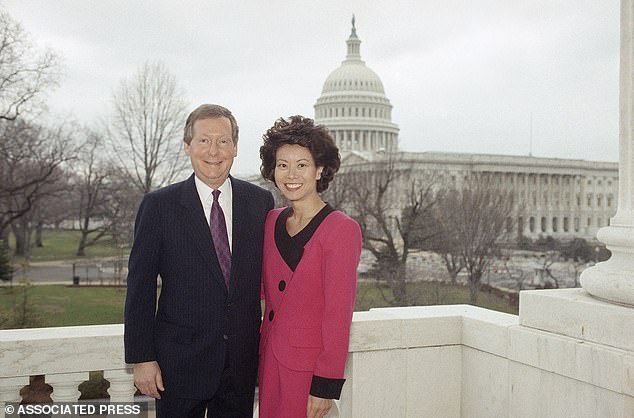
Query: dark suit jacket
{"x": 197, "y": 317}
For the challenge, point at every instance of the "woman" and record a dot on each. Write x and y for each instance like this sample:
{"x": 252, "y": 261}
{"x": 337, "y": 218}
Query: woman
{"x": 311, "y": 254}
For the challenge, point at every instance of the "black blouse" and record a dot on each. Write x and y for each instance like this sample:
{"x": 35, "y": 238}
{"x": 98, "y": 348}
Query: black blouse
{"x": 292, "y": 248}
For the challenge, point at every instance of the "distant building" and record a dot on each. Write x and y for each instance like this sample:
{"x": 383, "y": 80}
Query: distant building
{"x": 558, "y": 197}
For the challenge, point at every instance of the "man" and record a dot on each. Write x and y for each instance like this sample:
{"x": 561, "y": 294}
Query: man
{"x": 197, "y": 351}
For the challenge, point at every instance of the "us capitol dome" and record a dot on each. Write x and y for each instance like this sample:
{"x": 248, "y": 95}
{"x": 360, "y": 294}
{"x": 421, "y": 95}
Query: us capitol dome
{"x": 354, "y": 107}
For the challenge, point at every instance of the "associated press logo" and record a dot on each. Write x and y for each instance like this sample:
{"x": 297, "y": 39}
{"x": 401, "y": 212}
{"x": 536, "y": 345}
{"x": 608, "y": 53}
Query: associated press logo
{"x": 54, "y": 410}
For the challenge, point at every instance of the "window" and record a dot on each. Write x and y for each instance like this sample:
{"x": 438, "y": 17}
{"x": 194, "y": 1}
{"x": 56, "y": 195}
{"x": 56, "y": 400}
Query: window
{"x": 589, "y": 199}
{"x": 555, "y": 224}
{"x": 566, "y": 226}
{"x": 609, "y": 201}
{"x": 531, "y": 224}
{"x": 543, "y": 224}
{"x": 589, "y": 221}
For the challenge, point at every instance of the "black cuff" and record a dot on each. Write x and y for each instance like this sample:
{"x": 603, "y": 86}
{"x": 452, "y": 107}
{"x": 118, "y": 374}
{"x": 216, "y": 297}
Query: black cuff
{"x": 323, "y": 387}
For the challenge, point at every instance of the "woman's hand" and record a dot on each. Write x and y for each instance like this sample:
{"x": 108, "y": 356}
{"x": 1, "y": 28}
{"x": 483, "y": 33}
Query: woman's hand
{"x": 318, "y": 407}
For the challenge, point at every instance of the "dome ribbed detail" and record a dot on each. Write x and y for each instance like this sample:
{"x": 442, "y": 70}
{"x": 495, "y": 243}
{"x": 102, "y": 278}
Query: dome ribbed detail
{"x": 354, "y": 107}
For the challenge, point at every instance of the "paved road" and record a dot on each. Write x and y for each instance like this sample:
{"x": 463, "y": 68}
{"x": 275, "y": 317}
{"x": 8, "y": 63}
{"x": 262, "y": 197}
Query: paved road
{"x": 62, "y": 272}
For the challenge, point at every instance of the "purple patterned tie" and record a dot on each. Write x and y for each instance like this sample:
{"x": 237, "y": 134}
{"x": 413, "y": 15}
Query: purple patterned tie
{"x": 220, "y": 238}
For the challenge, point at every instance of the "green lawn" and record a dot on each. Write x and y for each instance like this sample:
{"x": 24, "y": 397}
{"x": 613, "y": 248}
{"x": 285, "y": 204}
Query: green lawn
{"x": 369, "y": 295}
{"x": 62, "y": 245}
{"x": 57, "y": 305}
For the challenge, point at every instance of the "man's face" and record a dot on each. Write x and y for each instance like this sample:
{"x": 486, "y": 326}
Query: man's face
{"x": 212, "y": 150}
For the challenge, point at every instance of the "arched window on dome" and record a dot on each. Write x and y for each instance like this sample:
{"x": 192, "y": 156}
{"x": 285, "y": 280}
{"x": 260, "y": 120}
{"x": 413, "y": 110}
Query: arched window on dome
{"x": 336, "y": 112}
{"x": 363, "y": 112}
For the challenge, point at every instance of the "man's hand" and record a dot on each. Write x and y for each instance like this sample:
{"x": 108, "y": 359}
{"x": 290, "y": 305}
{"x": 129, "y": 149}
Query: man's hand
{"x": 318, "y": 407}
{"x": 147, "y": 377}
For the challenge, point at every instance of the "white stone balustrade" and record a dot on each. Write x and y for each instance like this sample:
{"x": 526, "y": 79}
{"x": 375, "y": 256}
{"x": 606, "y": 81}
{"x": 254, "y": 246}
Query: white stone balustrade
{"x": 567, "y": 354}
{"x": 64, "y": 355}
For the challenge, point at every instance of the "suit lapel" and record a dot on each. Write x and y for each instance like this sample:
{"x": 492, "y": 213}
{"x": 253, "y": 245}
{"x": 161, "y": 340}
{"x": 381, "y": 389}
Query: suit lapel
{"x": 198, "y": 228}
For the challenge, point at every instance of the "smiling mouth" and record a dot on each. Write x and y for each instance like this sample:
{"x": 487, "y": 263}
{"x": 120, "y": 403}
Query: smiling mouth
{"x": 213, "y": 162}
{"x": 292, "y": 186}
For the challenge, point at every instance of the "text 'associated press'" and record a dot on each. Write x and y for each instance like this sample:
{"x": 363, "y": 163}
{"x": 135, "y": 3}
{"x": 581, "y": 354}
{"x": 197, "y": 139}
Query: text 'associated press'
{"x": 68, "y": 410}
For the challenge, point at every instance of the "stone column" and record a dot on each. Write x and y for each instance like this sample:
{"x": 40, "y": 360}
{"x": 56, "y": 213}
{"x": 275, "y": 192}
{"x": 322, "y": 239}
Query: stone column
{"x": 613, "y": 280}
{"x": 10, "y": 391}
{"x": 65, "y": 385}
{"x": 121, "y": 385}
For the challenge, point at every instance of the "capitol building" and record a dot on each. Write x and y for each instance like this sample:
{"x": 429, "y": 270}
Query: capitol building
{"x": 563, "y": 198}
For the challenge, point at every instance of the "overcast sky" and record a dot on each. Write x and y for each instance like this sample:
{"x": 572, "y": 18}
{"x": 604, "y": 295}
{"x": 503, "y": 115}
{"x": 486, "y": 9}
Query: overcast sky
{"x": 462, "y": 75}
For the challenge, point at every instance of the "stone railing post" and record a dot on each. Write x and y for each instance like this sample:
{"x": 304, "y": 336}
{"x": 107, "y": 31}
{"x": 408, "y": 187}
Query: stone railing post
{"x": 122, "y": 387}
{"x": 65, "y": 385}
{"x": 10, "y": 390}
{"x": 613, "y": 280}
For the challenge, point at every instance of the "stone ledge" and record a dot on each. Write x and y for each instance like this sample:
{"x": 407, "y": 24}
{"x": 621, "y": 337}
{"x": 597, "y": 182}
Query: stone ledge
{"x": 576, "y": 314}
{"x": 584, "y": 361}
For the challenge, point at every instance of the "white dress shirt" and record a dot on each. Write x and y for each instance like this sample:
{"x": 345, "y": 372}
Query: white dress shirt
{"x": 225, "y": 200}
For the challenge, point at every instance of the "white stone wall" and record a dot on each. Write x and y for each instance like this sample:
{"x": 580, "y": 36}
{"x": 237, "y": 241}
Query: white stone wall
{"x": 468, "y": 362}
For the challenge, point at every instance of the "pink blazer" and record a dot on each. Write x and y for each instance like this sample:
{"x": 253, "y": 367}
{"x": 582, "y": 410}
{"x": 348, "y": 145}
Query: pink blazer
{"x": 307, "y": 318}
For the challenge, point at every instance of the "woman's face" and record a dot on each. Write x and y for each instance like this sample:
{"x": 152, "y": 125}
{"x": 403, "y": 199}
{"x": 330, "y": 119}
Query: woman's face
{"x": 296, "y": 174}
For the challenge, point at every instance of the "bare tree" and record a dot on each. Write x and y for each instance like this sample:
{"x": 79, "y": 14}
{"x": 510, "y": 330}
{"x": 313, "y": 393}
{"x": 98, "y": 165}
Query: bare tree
{"x": 446, "y": 243}
{"x": 146, "y": 132}
{"x": 376, "y": 193}
{"x": 476, "y": 217}
{"x": 25, "y": 73}
{"x": 31, "y": 162}
{"x": 338, "y": 194}
{"x": 91, "y": 189}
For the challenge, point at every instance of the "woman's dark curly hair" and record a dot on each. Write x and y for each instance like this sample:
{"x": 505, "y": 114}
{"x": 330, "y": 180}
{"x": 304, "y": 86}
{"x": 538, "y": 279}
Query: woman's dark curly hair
{"x": 298, "y": 130}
